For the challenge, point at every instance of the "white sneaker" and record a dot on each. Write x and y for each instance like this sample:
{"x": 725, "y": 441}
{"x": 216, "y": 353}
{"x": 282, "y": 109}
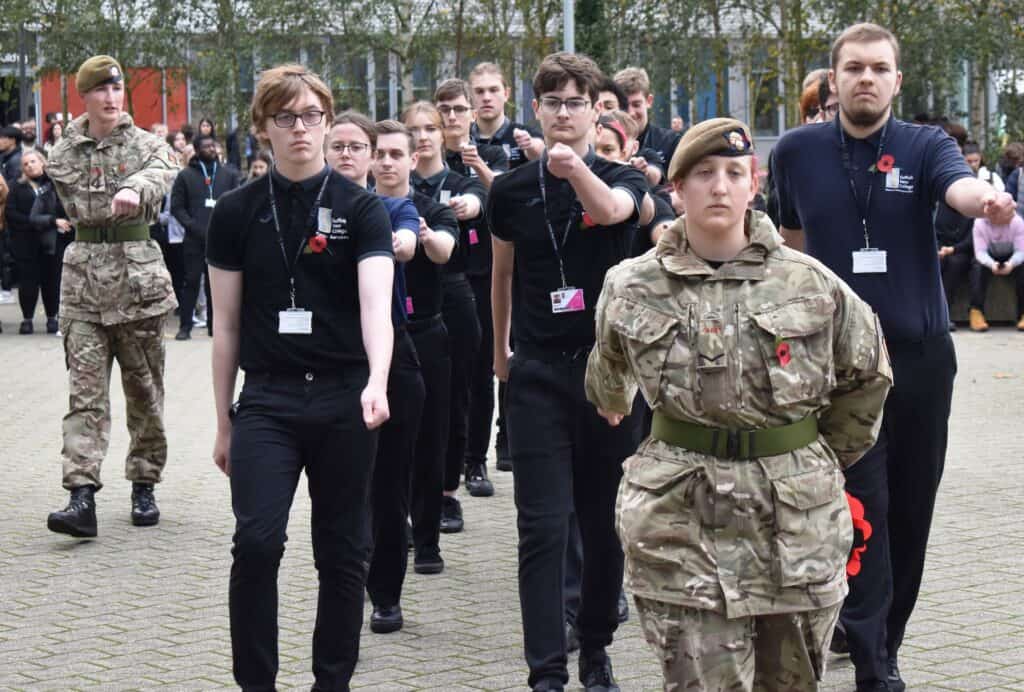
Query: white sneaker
{"x": 198, "y": 323}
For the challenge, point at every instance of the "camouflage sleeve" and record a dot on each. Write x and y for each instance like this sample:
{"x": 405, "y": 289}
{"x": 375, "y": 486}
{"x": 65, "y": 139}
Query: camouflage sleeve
{"x": 155, "y": 172}
{"x": 853, "y": 418}
{"x": 610, "y": 384}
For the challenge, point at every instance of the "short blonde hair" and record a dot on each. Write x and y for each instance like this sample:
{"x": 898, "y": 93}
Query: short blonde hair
{"x": 632, "y": 80}
{"x": 487, "y": 68}
{"x": 281, "y": 85}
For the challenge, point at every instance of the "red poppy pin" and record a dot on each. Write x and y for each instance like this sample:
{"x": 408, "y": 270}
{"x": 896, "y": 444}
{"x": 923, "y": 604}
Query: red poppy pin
{"x": 122, "y": 168}
{"x": 862, "y": 532}
{"x": 317, "y": 244}
{"x": 782, "y": 351}
{"x": 884, "y": 164}
{"x": 587, "y": 221}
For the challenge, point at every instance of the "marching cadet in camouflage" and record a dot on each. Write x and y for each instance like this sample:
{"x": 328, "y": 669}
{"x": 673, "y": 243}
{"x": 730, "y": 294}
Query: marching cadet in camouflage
{"x": 767, "y": 375}
{"x": 111, "y": 177}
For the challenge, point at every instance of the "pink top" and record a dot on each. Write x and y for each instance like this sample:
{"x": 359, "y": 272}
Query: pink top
{"x": 986, "y": 233}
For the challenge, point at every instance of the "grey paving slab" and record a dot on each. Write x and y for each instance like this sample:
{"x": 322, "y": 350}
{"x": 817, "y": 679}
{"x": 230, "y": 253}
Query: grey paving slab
{"x": 146, "y": 609}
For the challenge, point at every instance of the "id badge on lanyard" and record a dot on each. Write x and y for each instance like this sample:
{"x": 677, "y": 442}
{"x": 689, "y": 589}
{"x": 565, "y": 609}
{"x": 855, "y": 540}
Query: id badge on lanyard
{"x": 296, "y": 320}
{"x": 868, "y": 259}
{"x": 567, "y": 298}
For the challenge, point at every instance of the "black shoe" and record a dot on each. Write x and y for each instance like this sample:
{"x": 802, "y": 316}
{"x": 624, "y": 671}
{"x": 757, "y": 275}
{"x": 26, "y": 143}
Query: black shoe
{"x": 572, "y": 639}
{"x": 839, "y": 645}
{"x": 52, "y": 327}
{"x": 386, "y": 619}
{"x": 428, "y": 560}
{"x": 476, "y": 481}
{"x": 78, "y": 519}
{"x": 548, "y": 686}
{"x": 183, "y": 335}
{"x": 596, "y": 672}
{"x": 623, "y": 611}
{"x": 894, "y": 680}
{"x": 503, "y": 454}
{"x": 144, "y": 509}
{"x": 26, "y": 327}
{"x": 451, "y": 515}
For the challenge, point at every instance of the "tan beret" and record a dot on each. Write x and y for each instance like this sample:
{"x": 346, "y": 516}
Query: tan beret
{"x": 97, "y": 70}
{"x": 715, "y": 137}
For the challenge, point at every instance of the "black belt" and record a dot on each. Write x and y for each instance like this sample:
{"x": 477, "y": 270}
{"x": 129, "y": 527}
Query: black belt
{"x": 422, "y": 324}
{"x": 552, "y": 355}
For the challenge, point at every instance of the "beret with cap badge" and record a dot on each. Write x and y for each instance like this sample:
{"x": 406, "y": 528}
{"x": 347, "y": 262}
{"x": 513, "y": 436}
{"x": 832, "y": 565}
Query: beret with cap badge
{"x": 96, "y": 71}
{"x": 715, "y": 137}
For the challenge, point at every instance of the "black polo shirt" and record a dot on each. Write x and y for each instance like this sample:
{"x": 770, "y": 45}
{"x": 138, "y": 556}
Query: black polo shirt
{"x": 474, "y": 246}
{"x": 663, "y": 212}
{"x": 814, "y": 194}
{"x": 241, "y": 237}
{"x": 657, "y": 145}
{"x": 423, "y": 276}
{"x": 517, "y": 214}
{"x": 505, "y": 138}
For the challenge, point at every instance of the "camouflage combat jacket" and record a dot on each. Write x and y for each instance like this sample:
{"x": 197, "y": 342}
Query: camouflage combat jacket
{"x": 110, "y": 283}
{"x": 740, "y": 537}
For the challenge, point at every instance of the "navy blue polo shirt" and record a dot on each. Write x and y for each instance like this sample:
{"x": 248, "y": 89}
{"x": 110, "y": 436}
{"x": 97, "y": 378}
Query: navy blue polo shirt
{"x": 815, "y": 195}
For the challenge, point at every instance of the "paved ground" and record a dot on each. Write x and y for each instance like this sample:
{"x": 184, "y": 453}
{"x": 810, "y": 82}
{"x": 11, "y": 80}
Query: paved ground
{"x": 146, "y": 608}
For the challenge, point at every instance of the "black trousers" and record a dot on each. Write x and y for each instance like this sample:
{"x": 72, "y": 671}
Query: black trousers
{"x": 391, "y": 474}
{"x": 481, "y": 395}
{"x": 460, "y": 318}
{"x": 194, "y": 251}
{"x": 565, "y": 457}
{"x": 38, "y": 269}
{"x": 285, "y": 424}
{"x": 980, "y": 279}
{"x": 431, "y": 341}
{"x": 174, "y": 258}
{"x": 897, "y": 481}
{"x": 955, "y": 268}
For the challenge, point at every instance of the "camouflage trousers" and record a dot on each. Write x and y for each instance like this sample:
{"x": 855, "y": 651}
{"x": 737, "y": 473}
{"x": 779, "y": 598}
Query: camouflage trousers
{"x": 89, "y": 351}
{"x": 704, "y": 650}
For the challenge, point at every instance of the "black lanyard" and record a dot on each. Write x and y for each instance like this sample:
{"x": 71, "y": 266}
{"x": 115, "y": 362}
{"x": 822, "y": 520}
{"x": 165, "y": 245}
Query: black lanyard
{"x": 848, "y": 166}
{"x": 290, "y": 266}
{"x": 541, "y": 164}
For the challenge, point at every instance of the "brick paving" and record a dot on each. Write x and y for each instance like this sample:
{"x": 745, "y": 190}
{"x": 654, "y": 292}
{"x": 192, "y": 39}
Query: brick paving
{"x": 147, "y": 608}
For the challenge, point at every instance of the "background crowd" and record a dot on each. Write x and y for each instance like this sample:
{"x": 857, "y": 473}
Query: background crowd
{"x": 31, "y": 244}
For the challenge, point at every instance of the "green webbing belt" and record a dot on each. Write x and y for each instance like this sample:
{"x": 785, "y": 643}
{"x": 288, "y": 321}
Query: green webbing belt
{"x": 112, "y": 234}
{"x": 735, "y": 444}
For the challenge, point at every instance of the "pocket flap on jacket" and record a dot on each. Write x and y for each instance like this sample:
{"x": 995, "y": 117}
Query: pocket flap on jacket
{"x": 797, "y": 318}
{"x": 639, "y": 322}
{"x": 807, "y": 490}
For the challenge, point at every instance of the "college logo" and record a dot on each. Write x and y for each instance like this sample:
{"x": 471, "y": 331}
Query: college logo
{"x": 898, "y": 181}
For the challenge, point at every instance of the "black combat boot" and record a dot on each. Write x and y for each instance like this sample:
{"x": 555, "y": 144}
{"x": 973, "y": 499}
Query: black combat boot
{"x": 78, "y": 519}
{"x": 144, "y": 509}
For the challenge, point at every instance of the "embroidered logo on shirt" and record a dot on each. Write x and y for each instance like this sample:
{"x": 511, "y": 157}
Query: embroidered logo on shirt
{"x": 897, "y": 181}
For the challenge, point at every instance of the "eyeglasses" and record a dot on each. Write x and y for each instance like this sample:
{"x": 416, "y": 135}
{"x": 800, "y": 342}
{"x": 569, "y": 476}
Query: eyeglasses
{"x": 286, "y": 120}
{"x": 573, "y": 106}
{"x": 354, "y": 148}
{"x": 458, "y": 110}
